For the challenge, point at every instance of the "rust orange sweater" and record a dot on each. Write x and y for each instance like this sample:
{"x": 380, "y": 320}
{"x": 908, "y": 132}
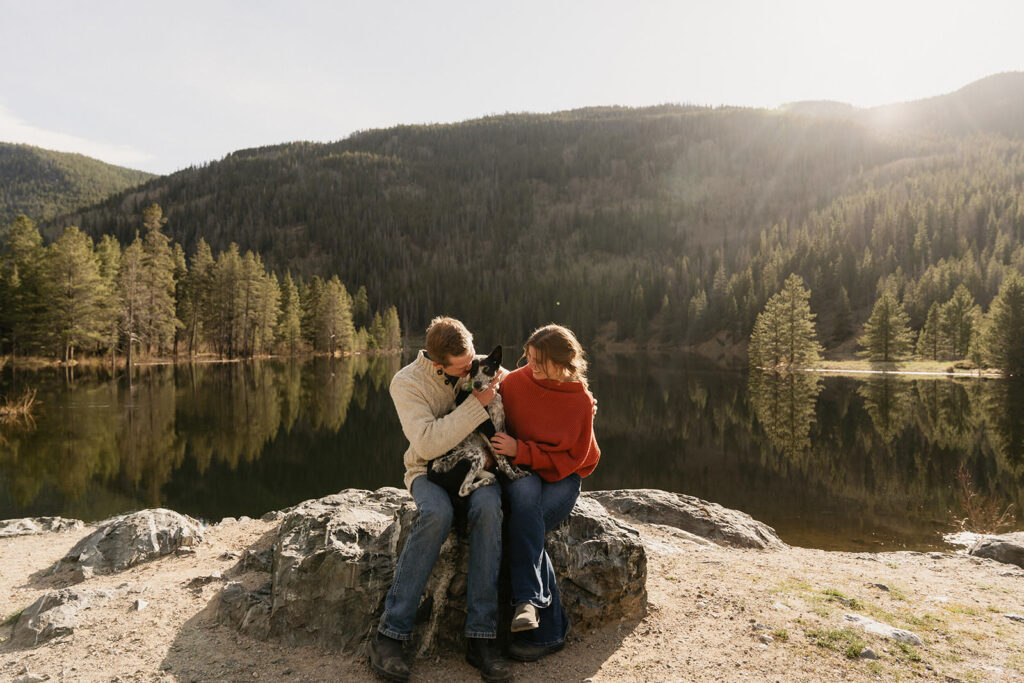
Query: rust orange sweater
{"x": 553, "y": 423}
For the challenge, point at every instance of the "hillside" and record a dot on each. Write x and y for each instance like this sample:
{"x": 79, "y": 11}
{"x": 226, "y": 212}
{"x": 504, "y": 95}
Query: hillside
{"x": 665, "y": 224}
{"x": 42, "y": 184}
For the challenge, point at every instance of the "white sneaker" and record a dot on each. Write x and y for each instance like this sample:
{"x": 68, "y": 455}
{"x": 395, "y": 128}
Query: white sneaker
{"x": 525, "y": 618}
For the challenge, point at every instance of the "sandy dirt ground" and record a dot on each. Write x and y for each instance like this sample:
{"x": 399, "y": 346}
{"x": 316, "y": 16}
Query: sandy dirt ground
{"x": 714, "y": 614}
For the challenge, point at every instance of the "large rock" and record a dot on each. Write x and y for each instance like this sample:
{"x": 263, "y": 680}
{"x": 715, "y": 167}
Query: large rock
{"x": 1008, "y": 548}
{"x": 28, "y": 526}
{"x": 696, "y": 516}
{"x": 127, "y": 540}
{"x": 54, "y": 615}
{"x": 884, "y": 630}
{"x": 334, "y": 560}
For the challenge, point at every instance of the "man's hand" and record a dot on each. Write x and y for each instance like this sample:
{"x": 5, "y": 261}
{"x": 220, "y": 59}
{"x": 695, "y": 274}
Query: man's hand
{"x": 503, "y": 444}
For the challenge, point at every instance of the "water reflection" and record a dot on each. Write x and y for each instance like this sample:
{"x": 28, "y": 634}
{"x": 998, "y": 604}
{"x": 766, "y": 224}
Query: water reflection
{"x": 889, "y": 402}
{"x": 208, "y": 439}
{"x": 831, "y": 463}
{"x": 784, "y": 406}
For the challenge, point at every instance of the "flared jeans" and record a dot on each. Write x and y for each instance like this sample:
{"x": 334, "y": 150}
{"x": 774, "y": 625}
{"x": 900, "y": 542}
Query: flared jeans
{"x": 535, "y": 507}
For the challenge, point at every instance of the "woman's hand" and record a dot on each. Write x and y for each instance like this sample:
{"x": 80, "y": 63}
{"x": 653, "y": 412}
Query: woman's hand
{"x": 486, "y": 395}
{"x": 503, "y": 444}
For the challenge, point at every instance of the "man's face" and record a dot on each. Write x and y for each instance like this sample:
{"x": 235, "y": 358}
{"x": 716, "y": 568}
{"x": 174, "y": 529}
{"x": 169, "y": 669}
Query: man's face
{"x": 458, "y": 366}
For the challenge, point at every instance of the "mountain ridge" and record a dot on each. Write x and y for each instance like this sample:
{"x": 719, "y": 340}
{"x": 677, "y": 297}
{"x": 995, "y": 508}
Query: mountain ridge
{"x": 43, "y": 183}
{"x": 672, "y": 222}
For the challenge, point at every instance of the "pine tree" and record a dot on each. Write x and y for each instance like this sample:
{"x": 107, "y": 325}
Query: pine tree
{"x": 158, "y": 321}
{"x": 198, "y": 294}
{"x": 784, "y": 332}
{"x": 73, "y": 294}
{"x": 959, "y": 316}
{"x": 335, "y": 331}
{"x": 929, "y": 345}
{"x": 20, "y": 263}
{"x": 182, "y": 305}
{"x": 1003, "y": 339}
{"x": 226, "y": 304}
{"x": 311, "y": 311}
{"x": 108, "y": 258}
{"x": 361, "y": 308}
{"x": 376, "y": 332}
{"x": 887, "y": 334}
{"x": 289, "y": 325}
{"x": 250, "y": 291}
{"x": 132, "y": 296}
{"x": 269, "y": 312}
{"x": 392, "y": 330}
{"x": 843, "y": 325}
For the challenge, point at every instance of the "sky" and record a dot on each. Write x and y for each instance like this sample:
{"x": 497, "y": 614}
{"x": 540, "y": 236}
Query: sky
{"x": 163, "y": 86}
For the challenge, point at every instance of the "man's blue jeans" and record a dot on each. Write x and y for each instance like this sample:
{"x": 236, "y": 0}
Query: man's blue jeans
{"x": 420, "y": 553}
{"x": 536, "y": 507}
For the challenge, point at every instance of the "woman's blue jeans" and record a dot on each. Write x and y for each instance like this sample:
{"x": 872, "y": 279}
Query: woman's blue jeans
{"x": 536, "y": 507}
{"x": 420, "y": 553}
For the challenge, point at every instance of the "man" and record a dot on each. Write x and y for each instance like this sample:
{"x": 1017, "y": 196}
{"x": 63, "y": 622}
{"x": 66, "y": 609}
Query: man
{"x": 424, "y": 395}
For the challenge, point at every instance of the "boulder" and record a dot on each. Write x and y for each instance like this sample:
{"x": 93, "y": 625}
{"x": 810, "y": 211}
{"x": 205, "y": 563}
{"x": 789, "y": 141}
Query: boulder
{"x": 127, "y": 540}
{"x": 37, "y": 525}
{"x": 1007, "y": 548}
{"x": 699, "y": 517}
{"x": 334, "y": 560}
{"x": 884, "y": 630}
{"x": 54, "y": 615}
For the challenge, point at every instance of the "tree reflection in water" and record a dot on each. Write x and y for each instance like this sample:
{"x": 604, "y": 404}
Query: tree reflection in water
{"x": 784, "y": 404}
{"x": 181, "y": 436}
{"x": 832, "y": 462}
{"x": 888, "y": 401}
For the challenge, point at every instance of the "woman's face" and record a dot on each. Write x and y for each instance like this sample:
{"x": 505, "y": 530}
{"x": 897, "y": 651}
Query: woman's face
{"x": 545, "y": 370}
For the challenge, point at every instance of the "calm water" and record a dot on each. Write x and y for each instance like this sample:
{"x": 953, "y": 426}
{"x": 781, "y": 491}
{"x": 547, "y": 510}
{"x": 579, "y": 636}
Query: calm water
{"x": 831, "y": 463}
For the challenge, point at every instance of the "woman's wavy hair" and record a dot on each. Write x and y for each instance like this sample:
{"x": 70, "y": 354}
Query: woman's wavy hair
{"x": 559, "y": 345}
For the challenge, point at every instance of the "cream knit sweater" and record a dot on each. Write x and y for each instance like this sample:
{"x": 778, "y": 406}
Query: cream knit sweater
{"x": 424, "y": 404}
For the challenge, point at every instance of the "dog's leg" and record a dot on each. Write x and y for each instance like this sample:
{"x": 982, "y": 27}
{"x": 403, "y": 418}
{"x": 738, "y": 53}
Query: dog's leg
{"x": 496, "y": 410}
{"x": 485, "y": 478}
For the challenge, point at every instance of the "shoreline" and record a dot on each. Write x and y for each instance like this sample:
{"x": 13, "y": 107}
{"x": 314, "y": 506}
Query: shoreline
{"x": 42, "y": 363}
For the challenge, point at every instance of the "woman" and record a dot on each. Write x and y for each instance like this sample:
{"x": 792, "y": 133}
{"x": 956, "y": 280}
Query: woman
{"x": 550, "y": 410}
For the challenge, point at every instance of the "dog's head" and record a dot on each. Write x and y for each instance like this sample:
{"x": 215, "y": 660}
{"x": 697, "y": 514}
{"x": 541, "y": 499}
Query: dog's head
{"x": 484, "y": 369}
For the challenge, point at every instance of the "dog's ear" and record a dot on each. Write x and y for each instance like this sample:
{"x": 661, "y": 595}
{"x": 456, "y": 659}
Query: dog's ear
{"x": 494, "y": 357}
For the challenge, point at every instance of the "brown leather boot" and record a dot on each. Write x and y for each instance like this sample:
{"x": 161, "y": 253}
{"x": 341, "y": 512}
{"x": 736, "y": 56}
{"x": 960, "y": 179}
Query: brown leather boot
{"x": 483, "y": 654}
{"x": 387, "y": 658}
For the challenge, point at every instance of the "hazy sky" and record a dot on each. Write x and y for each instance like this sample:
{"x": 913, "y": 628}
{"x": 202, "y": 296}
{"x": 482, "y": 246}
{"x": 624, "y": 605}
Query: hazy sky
{"x": 161, "y": 86}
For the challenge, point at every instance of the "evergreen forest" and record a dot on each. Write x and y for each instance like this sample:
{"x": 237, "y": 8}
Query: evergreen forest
{"x": 43, "y": 184}
{"x": 668, "y": 225}
{"x": 77, "y": 295}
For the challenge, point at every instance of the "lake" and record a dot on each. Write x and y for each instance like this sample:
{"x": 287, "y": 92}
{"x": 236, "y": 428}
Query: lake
{"x": 854, "y": 464}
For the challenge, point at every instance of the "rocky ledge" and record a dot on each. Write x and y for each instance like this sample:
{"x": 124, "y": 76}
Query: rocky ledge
{"x": 1005, "y": 548}
{"x": 334, "y": 558}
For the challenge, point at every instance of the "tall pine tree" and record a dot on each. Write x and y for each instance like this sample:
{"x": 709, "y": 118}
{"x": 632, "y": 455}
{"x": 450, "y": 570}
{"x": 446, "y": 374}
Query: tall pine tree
{"x": 887, "y": 334}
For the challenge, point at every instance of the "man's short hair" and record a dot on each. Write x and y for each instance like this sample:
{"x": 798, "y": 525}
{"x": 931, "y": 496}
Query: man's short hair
{"x": 447, "y": 337}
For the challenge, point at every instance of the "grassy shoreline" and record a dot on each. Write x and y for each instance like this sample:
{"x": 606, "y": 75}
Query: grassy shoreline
{"x": 906, "y": 368}
{"x": 42, "y": 362}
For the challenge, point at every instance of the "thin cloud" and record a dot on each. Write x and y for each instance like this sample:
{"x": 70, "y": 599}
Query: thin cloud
{"x": 13, "y": 129}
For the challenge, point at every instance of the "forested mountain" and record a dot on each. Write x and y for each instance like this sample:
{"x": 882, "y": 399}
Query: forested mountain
{"x": 665, "y": 224}
{"x": 42, "y": 184}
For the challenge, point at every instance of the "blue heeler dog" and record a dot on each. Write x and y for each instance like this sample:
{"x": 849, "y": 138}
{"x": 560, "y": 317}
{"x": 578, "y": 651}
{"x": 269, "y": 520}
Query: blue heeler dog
{"x": 461, "y": 470}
